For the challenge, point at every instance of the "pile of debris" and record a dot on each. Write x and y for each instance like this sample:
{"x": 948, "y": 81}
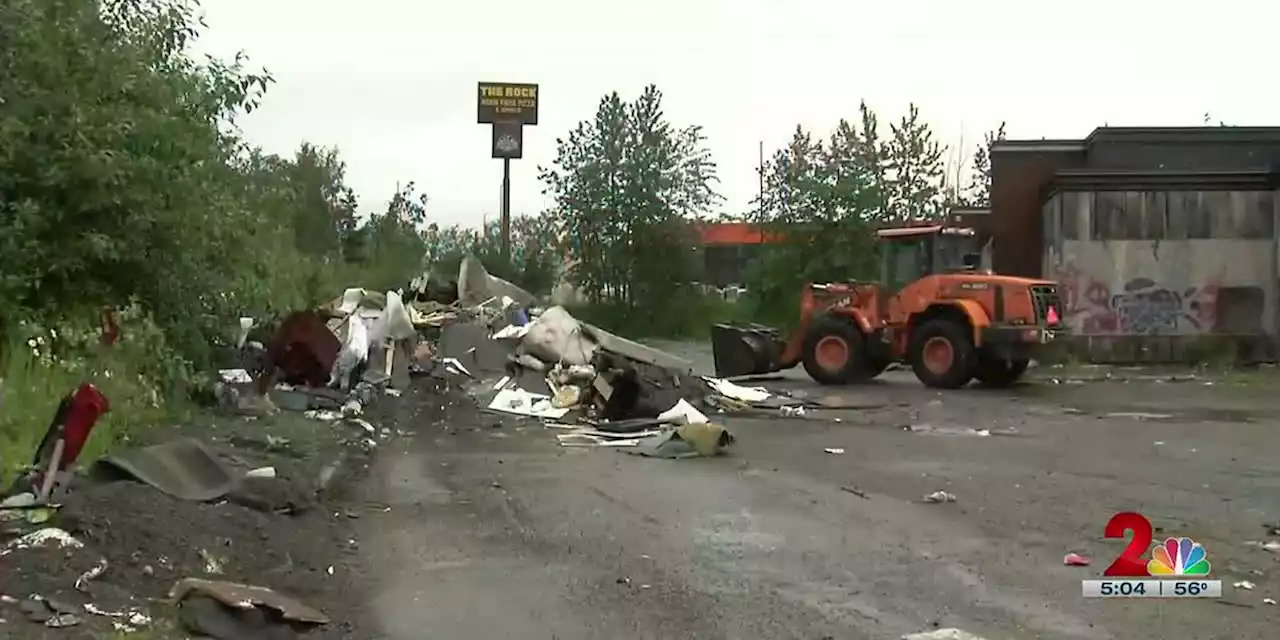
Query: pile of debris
{"x": 594, "y": 388}
{"x": 199, "y": 517}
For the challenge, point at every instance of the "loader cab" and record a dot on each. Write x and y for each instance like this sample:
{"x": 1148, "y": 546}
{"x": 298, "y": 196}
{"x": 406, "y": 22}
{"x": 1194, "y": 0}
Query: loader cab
{"x": 910, "y": 253}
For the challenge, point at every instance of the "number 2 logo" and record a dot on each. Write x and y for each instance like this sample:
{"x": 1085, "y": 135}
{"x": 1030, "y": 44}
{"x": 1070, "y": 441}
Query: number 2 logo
{"x": 1131, "y": 563}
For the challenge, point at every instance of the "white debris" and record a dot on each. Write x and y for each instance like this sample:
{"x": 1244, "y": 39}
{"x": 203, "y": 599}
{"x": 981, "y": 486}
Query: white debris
{"x": 49, "y": 537}
{"x": 1243, "y": 584}
{"x": 797, "y": 412}
{"x": 942, "y": 634}
{"x": 261, "y": 472}
{"x": 521, "y": 402}
{"x": 940, "y": 497}
{"x": 683, "y": 413}
{"x": 1138, "y": 415}
{"x": 511, "y": 331}
{"x": 235, "y": 376}
{"x": 834, "y": 450}
{"x": 738, "y": 392}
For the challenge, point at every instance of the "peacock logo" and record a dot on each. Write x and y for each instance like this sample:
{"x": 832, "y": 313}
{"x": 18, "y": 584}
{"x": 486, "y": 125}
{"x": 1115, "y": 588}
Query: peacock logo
{"x": 1179, "y": 557}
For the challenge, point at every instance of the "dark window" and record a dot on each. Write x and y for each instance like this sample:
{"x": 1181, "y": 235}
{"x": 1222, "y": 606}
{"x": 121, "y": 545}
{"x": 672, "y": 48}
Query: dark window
{"x": 903, "y": 261}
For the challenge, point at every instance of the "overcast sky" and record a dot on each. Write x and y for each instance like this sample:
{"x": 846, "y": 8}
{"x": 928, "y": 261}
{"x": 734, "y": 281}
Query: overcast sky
{"x": 392, "y": 83}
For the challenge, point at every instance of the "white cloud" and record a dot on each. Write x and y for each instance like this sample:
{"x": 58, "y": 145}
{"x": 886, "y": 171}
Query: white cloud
{"x": 392, "y": 82}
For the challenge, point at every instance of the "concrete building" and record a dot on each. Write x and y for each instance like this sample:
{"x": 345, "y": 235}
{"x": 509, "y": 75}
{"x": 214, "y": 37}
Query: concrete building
{"x": 1163, "y": 240}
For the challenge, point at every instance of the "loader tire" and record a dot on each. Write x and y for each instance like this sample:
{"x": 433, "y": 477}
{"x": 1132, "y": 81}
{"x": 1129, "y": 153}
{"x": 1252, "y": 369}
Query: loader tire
{"x": 942, "y": 354}
{"x": 835, "y": 351}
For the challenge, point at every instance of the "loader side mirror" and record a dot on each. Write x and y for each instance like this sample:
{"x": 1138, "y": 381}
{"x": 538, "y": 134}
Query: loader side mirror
{"x": 972, "y": 261}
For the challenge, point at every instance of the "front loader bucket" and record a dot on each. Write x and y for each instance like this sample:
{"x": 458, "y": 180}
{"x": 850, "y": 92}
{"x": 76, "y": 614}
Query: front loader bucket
{"x": 741, "y": 350}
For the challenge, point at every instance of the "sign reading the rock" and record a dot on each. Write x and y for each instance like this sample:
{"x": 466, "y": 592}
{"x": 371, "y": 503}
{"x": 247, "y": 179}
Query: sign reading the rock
{"x": 508, "y": 140}
{"x": 507, "y": 102}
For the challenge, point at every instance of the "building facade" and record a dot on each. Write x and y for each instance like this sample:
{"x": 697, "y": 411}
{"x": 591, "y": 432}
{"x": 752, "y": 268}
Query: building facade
{"x": 1163, "y": 241}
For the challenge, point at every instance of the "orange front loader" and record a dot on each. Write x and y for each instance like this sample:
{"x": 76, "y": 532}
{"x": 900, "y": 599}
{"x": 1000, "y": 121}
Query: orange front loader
{"x": 933, "y": 309}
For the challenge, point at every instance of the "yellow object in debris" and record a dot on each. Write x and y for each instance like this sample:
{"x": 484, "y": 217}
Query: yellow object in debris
{"x": 707, "y": 439}
{"x": 567, "y": 396}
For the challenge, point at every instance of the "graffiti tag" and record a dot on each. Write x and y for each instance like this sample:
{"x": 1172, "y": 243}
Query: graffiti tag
{"x": 1140, "y": 307}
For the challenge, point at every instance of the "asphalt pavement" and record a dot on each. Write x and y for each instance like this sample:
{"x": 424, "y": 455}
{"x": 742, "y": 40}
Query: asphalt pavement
{"x": 494, "y": 531}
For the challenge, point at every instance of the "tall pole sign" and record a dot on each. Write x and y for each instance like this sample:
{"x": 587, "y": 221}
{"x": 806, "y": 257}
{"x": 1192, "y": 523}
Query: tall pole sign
{"x": 507, "y": 107}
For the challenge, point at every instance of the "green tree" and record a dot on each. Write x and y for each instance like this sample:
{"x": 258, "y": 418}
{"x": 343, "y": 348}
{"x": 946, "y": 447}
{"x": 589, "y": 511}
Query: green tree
{"x": 978, "y": 193}
{"x": 915, "y": 170}
{"x": 820, "y": 197}
{"x": 626, "y": 184}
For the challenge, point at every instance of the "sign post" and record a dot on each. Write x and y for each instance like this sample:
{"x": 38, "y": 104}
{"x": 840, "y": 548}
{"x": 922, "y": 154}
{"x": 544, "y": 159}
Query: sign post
{"x": 507, "y": 107}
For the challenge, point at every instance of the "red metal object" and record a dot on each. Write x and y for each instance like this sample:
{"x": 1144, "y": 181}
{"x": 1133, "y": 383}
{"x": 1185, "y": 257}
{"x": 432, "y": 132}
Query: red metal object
{"x": 72, "y": 424}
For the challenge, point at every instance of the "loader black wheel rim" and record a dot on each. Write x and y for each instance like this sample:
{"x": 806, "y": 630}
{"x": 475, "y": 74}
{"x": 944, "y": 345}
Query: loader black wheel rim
{"x": 831, "y": 353}
{"x": 938, "y": 355}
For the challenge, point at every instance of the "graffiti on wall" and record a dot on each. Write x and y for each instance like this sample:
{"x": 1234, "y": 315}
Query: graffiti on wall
{"x": 1140, "y": 306}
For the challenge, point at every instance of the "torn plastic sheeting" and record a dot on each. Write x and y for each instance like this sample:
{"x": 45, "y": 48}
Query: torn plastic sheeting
{"x": 394, "y": 323}
{"x": 738, "y": 392}
{"x": 355, "y": 350}
{"x": 521, "y": 402}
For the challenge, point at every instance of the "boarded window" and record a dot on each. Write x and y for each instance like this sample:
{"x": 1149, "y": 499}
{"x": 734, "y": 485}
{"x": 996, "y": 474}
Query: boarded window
{"x": 1051, "y": 212}
{"x": 1252, "y": 215}
{"x": 1071, "y": 214}
{"x": 1176, "y": 214}
{"x": 1155, "y": 217}
{"x": 1107, "y": 221}
{"x": 1195, "y": 213}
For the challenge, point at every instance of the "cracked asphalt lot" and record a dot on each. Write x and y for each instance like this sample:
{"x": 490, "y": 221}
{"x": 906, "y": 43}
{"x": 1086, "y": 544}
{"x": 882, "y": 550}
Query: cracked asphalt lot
{"x": 496, "y": 532}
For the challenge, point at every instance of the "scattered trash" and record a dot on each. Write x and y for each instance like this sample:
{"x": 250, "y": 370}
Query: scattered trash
{"x": 261, "y": 472}
{"x": 1075, "y": 560}
{"x": 946, "y": 431}
{"x": 1243, "y": 584}
{"x": 938, "y": 497}
{"x": 521, "y": 402}
{"x": 835, "y": 450}
{"x": 792, "y": 412}
{"x": 93, "y": 573}
{"x": 856, "y": 491}
{"x": 1268, "y": 601}
{"x": 1270, "y": 545}
{"x": 738, "y": 392}
{"x": 942, "y": 634}
{"x": 1138, "y": 415}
